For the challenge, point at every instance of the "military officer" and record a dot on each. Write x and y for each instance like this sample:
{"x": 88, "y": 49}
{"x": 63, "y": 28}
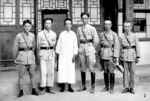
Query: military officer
{"x": 23, "y": 50}
{"x": 109, "y": 52}
{"x": 87, "y": 42}
{"x": 46, "y": 41}
{"x": 129, "y": 55}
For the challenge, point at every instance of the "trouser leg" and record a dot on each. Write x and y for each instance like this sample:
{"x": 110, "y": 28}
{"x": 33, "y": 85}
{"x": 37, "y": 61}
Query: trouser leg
{"x": 32, "y": 74}
{"x": 50, "y": 73}
{"x": 21, "y": 72}
{"x": 43, "y": 73}
{"x": 125, "y": 75}
{"x": 131, "y": 69}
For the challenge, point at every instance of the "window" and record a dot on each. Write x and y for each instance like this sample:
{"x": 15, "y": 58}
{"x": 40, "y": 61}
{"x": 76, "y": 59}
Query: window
{"x": 138, "y": 1}
{"x": 140, "y": 25}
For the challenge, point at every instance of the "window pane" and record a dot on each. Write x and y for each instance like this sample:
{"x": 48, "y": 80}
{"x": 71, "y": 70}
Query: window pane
{"x": 7, "y": 12}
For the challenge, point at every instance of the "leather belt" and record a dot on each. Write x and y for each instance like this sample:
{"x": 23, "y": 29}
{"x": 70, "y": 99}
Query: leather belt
{"x": 107, "y": 46}
{"x": 47, "y": 47}
{"x": 25, "y": 49}
{"x": 86, "y": 41}
{"x": 129, "y": 47}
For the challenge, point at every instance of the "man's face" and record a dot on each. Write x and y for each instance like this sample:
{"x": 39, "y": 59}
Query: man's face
{"x": 127, "y": 27}
{"x": 68, "y": 24}
{"x": 27, "y": 27}
{"x": 107, "y": 24}
{"x": 48, "y": 24}
{"x": 85, "y": 19}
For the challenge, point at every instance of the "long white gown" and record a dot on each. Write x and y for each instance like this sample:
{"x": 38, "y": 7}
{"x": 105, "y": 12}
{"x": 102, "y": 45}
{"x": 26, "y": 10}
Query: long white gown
{"x": 66, "y": 48}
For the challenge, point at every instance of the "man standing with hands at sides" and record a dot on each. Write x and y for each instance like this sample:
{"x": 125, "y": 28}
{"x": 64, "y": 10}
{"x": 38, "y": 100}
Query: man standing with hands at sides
{"x": 130, "y": 54}
{"x": 109, "y": 52}
{"x": 87, "y": 42}
{"x": 66, "y": 50}
{"x": 46, "y": 41}
{"x": 23, "y": 50}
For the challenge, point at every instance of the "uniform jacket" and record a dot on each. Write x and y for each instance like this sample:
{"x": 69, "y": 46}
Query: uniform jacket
{"x": 90, "y": 34}
{"x": 129, "y": 54}
{"x": 24, "y": 57}
{"x": 113, "y": 49}
{"x": 46, "y": 54}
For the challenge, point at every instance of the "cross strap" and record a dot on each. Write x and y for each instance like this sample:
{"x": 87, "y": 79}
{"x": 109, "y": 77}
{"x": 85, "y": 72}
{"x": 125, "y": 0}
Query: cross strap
{"x": 25, "y": 40}
{"x": 127, "y": 40}
{"x": 47, "y": 39}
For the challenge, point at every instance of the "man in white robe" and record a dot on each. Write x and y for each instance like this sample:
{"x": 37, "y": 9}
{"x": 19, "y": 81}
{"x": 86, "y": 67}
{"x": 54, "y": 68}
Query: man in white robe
{"x": 66, "y": 50}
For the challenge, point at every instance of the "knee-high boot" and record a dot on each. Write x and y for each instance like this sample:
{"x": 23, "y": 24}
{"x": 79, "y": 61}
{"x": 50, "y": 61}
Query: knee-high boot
{"x": 83, "y": 79}
{"x": 106, "y": 81}
{"x": 92, "y": 83}
{"x": 112, "y": 82}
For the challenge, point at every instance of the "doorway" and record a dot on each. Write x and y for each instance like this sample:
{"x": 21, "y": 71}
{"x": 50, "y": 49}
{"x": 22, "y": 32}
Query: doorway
{"x": 58, "y": 17}
{"x": 110, "y": 11}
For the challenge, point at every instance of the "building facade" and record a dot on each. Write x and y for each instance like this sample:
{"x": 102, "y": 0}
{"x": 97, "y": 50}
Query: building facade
{"x": 13, "y": 12}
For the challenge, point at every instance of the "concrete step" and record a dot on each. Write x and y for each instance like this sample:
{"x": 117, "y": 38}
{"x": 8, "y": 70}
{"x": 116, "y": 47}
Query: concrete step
{"x": 9, "y": 79}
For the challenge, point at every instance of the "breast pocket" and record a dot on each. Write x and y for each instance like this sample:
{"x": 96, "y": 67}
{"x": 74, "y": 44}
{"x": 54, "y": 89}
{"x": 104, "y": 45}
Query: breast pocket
{"x": 22, "y": 43}
{"x": 89, "y": 34}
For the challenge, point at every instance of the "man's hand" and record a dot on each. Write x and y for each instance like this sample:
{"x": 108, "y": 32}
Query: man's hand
{"x": 137, "y": 60}
{"x": 73, "y": 58}
{"x": 114, "y": 60}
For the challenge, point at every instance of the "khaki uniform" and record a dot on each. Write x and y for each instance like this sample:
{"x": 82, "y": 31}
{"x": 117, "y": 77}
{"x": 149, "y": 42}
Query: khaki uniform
{"x": 87, "y": 46}
{"x": 107, "y": 50}
{"x": 47, "y": 56}
{"x": 23, "y": 49}
{"x": 128, "y": 54}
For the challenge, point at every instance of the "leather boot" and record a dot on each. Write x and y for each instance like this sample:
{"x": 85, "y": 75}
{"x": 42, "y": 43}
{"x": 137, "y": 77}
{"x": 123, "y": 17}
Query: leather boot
{"x": 62, "y": 86}
{"x": 92, "y": 83}
{"x": 20, "y": 93}
{"x": 70, "y": 88}
{"x": 49, "y": 90}
{"x": 106, "y": 81}
{"x": 112, "y": 82}
{"x": 83, "y": 79}
{"x": 34, "y": 92}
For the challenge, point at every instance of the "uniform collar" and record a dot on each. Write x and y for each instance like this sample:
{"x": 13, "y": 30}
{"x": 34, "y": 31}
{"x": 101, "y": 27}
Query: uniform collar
{"x": 128, "y": 33}
{"x": 85, "y": 26}
{"x": 26, "y": 34}
{"x": 107, "y": 32}
{"x": 46, "y": 31}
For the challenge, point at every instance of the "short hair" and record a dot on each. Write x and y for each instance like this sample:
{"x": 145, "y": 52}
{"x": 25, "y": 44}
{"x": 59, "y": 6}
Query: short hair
{"x": 26, "y": 21}
{"x": 48, "y": 18}
{"x": 67, "y": 19}
{"x": 128, "y": 21}
{"x": 84, "y": 13}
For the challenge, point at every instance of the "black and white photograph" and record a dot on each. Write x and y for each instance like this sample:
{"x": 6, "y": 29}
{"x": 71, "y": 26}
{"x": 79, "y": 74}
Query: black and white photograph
{"x": 74, "y": 50}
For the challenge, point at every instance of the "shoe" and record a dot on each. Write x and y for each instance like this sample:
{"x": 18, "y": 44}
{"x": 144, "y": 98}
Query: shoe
{"x": 126, "y": 90}
{"x": 49, "y": 90}
{"x": 34, "y": 92}
{"x": 105, "y": 89}
{"x": 111, "y": 91}
{"x": 70, "y": 88}
{"x": 92, "y": 91}
{"x": 62, "y": 86}
{"x": 132, "y": 91}
{"x": 83, "y": 88}
{"x": 20, "y": 93}
{"x": 42, "y": 92}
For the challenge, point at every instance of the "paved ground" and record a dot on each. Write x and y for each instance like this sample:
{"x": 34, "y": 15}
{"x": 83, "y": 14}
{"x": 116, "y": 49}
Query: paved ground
{"x": 9, "y": 87}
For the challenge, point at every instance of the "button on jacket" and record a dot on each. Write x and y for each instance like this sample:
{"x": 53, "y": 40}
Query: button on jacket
{"x": 46, "y": 54}
{"x": 24, "y": 56}
{"x": 91, "y": 34}
{"x": 131, "y": 53}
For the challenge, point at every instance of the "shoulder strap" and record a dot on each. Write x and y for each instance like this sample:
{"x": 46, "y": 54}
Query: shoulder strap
{"x": 47, "y": 39}
{"x": 107, "y": 40}
{"x": 83, "y": 33}
{"x": 25, "y": 40}
{"x": 127, "y": 40}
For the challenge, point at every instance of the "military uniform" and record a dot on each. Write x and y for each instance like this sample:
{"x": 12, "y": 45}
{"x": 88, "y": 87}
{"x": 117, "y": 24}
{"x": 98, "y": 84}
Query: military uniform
{"x": 109, "y": 49}
{"x": 87, "y": 41}
{"x": 23, "y": 49}
{"x": 128, "y": 54}
{"x": 46, "y": 41}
